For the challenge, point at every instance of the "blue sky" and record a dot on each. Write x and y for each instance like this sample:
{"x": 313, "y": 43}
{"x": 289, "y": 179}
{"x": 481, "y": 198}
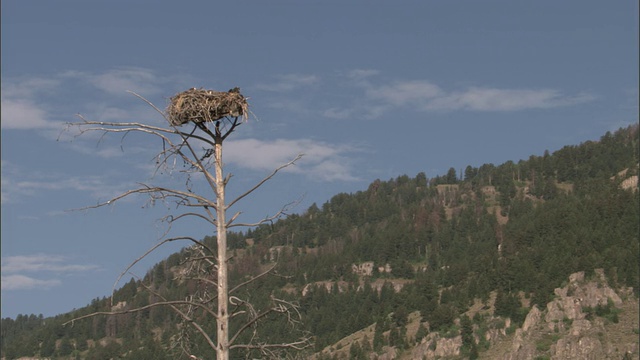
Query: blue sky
{"x": 366, "y": 89}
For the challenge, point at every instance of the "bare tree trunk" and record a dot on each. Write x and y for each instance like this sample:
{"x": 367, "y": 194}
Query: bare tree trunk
{"x": 203, "y": 302}
{"x": 223, "y": 286}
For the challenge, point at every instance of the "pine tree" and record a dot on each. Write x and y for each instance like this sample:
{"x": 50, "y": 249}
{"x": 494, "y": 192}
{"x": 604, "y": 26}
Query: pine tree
{"x": 378, "y": 336}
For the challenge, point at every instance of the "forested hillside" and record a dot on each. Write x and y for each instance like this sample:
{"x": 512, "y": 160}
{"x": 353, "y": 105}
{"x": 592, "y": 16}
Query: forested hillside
{"x": 409, "y": 245}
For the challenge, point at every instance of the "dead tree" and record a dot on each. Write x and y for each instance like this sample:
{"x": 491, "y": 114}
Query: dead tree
{"x": 210, "y": 117}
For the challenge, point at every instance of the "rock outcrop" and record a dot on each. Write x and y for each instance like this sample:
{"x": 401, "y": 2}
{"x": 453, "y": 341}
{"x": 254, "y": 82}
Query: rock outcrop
{"x": 569, "y": 328}
{"x": 587, "y": 319}
{"x": 435, "y": 347}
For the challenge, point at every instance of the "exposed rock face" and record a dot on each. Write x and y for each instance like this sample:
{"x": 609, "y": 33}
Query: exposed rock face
{"x": 584, "y": 348}
{"x": 448, "y": 347}
{"x": 363, "y": 269}
{"x": 578, "y": 294}
{"x": 580, "y": 327}
{"x": 532, "y": 319}
{"x": 436, "y": 348}
{"x": 568, "y": 327}
{"x": 564, "y": 331}
{"x": 520, "y": 348}
{"x": 388, "y": 354}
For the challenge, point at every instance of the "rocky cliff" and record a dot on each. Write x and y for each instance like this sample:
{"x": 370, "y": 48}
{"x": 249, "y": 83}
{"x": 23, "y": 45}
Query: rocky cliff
{"x": 587, "y": 320}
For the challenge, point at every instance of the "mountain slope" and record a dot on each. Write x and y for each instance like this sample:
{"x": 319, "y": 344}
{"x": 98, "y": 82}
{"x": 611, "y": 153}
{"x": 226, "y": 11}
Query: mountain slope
{"x": 404, "y": 256}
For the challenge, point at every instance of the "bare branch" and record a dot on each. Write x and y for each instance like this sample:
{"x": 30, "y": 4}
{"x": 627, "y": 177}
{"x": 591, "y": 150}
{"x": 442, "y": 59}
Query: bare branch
{"x": 250, "y": 323}
{"x": 189, "y": 320}
{"x": 267, "y": 219}
{"x": 279, "y": 306}
{"x": 138, "y": 309}
{"x": 267, "y": 178}
{"x": 254, "y": 278}
{"x": 107, "y": 126}
{"x": 121, "y": 127}
{"x": 172, "y": 218}
{"x": 234, "y": 124}
{"x": 150, "y": 104}
{"x": 297, "y": 345}
{"x": 113, "y": 289}
{"x": 208, "y": 266}
{"x": 156, "y": 193}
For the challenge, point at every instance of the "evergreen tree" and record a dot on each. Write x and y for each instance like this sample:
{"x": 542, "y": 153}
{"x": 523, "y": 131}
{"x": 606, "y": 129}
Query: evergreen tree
{"x": 466, "y": 330}
{"x": 421, "y": 333}
{"x": 48, "y": 346}
{"x": 378, "y": 336}
{"x": 65, "y": 347}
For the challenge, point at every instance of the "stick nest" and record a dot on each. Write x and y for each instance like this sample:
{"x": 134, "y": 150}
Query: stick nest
{"x": 200, "y": 105}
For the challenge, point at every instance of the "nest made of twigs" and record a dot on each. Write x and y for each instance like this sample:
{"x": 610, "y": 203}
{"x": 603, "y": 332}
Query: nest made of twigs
{"x": 200, "y": 105}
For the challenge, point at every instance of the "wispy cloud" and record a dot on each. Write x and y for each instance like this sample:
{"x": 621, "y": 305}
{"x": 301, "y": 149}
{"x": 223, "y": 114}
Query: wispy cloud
{"x": 31, "y": 102}
{"x": 492, "y": 99}
{"x": 42, "y": 265}
{"x": 18, "y": 183}
{"x": 29, "y": 86}
{"x": 289, "y": 82}
{"x": 119, "y": 81}
{"x": 321, "y": 161}
{"x": 42, "y": 262}
{"x": 93, "y": 184}
{"x": 361, "y": 74}
{"x": 19, "y": 106}
{"x": 23, "y": 114}
{"x": 339, "y": 113}
{"x": 372, "y": 100}
{"x": 23, "y": 282}
{"x": 404, "y": 93}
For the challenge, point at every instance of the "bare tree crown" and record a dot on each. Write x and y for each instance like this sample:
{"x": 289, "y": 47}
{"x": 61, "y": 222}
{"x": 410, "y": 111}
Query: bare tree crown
{"x": 209, "y": 117}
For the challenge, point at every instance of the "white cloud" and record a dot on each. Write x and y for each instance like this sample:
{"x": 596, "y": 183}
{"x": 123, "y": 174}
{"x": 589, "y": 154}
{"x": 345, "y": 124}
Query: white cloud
{"x": 119, "y": 81}
{"x": 23, "y": 282}
{"x": 289, "y": 82}
{"x": 22, "y": 114}
{"x": 321, "y": 161}
{"x": 371, "y": 100}
{"x": 18, "y": 105}
{"x": 17, "y": 266}
{"x": 339, "y": 113}
{"x": 405, "y": 93}
{"x": 29, "y": 87}
{"x": 42, "y": 262}
{"x": 491, "y": 99}
{"x": 361, "y": 74}
{"x": 16, "y": 184}
{"x": 6, "y": 181}
{"x": 37, "y": 103}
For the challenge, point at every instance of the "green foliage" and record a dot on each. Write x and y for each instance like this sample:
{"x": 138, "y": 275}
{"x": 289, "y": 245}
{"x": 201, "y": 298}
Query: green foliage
{"x": 356, "y": 352}
{"x": 48, "y": 346}
{"x": 111, "y": 350}
{"x": 508, "y": 305}
{"x": 150, "y": 350}
{"x": 466, "y": 330}
{"x": 421, "y": 333}
{"x": 442, "y": 317}
{"x": 397, "y": 337}
{"x": 609, "y": 311}
{"x": 565, "y": 214}
{"x": 378, "y": 337}
{"x": 544, "y": 344}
